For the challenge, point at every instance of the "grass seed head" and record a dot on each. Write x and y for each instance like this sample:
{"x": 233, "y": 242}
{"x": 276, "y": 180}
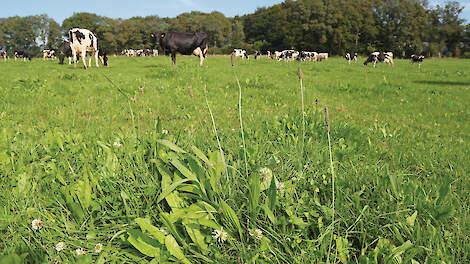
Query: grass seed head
{"x": 301, "y": 75}
{"x": 327, "y": 120}
{"x": 190, "y": 91}
{"x": 232, "y": 58}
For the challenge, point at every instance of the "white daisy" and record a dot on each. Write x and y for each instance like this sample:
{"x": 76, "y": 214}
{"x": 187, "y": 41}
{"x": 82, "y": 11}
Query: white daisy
{"x": 164, "y": 131}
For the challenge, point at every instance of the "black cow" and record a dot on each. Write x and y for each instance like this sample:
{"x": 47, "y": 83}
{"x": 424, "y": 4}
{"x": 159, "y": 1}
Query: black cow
{"x": 19, "y": 53}
{"x": 418, "y": 59}
{"x": 186, "y": 43}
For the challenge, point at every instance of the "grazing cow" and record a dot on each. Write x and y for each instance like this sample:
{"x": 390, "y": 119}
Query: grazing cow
{"x": 241, "y": 53}
{"x": 48, "y": 54}
{"x": 350, "y": 57}
{"x": 155, "y": 52}
{"x": 308, "y": 55}
{"x": 322, "y": 56}
{"x": 277, "y": 55}
{"x": 22, "y": 54}
{"x": 65, "y": 51}
{"x": 4, "y": 55}
{"x": 418, "y": 59}
{"x": 186, "y": 43}
{"x": 81, "y": 41}
{"x": 257, "y": 54}
{"x": 289, "y": 55}
{"x": 269, "y": 54}
{"x": 376, "y": 56}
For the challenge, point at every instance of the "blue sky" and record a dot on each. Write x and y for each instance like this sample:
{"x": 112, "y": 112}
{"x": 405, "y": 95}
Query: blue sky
{"x": 59, "y": 10}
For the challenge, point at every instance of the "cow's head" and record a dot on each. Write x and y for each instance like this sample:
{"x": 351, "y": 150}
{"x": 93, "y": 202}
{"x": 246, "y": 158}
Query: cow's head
{"x": 157, "y": 37}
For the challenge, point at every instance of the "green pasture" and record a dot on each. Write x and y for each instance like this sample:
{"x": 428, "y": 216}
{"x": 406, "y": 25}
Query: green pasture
{"x": 127, "y": 157}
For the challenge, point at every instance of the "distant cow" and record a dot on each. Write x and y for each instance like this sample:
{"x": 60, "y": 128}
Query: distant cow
{"x": 376, "y": 56}
{"x": 322, "y": 56}
{"x": 289, "y": 55}
{"x": 83, "y": 41}
{"x": 308, "y": 55}
{"x": 241, "y": 53}
{"x": 350, "y": 57}
{"x": 22, "y": 54}
{"x": 155, "y": 52}
{"x": 48, "y": 54}
{"x": 268, "y": 54}
{"x": 3, "y": 54}
{"x": 418, "y": 59}
{"x": 257, "y": 54}
{"x": 277, "y": 55}
{"x": 186, "y": 43}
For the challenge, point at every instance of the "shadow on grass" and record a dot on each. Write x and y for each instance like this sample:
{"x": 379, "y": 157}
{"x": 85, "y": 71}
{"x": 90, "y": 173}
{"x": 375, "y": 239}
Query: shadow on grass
{"x": 442, "y": 82}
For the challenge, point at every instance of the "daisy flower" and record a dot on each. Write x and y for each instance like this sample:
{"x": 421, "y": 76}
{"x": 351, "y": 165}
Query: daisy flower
{"x": 60, "y": 246}
{"x": 80, "y": 251}
{"x": 98, "y": 248}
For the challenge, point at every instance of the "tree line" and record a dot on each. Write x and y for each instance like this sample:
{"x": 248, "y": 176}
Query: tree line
{"x": 336, "y": 26}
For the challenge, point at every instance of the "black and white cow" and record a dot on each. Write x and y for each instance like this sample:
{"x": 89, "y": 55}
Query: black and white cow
{"x": 19, "y": 53}
{"x": 418, "y": 59}
{"x": 186, "y": 43}
{"x": 308, "y": 55}
{"x": 83, "y": 41}
{"x": 48, "y": 54}
{"x": 65, "y": 51}
{"x": 257, "y": 54}
{"x": 350, "y": 57}
{"x": 289, "y": 55}
{"x": 3, "y": 55}
{"x": 269, "y": 54}
{"x": 241, "y": 53}
{"x": 376, "y": 56}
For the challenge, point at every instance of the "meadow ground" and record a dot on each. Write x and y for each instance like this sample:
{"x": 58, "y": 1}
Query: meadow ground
{"x": 88, "y": 153}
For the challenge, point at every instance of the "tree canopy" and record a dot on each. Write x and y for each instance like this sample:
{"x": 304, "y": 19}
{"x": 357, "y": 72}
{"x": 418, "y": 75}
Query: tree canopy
{"x": 335, "y": 26}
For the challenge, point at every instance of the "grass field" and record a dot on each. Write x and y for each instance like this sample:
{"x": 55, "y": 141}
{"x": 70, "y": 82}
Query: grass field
{"x": 125, "y": 157}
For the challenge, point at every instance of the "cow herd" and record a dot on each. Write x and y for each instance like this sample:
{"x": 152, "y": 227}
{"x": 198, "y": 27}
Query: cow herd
{"x": 82, "y": 42}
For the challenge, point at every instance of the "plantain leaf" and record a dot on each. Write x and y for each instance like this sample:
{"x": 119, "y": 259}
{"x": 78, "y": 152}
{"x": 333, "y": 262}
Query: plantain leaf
{"x": 152, "y": 230}
{"x": 171, "y": 188}
{"x": 144, "y": 243}
{"x": 170, "y": 145}
{"x": 175, "y": 249}
{"x": 231, "y": 218}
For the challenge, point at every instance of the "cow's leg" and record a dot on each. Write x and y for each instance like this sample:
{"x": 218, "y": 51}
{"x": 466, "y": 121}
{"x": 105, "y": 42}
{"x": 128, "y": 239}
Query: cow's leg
{"x": 84, "y": 58}
{"x": 70, "y": 60}
{"x": 24, "y": 58}
{"x": 173, "y": 57}
{"x": 95, "y": 53}
{"x": 74, "y": 56}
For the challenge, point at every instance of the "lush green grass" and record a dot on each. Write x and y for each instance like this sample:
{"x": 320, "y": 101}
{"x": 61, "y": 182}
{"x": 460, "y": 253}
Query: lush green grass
{"x": 400, "y": 150}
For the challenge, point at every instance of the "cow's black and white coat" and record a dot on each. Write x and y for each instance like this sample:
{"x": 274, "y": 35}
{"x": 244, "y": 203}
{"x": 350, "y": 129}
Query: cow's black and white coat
{"x": 257, "y": 55}
{"x": 48, "y": 54}
{"x": 186, "y": 43}
{"x": 241, "y": 53}
{"x": 19, "y": 53}
{"x": 350, "y": 57}
{"x": 376, "y": 56}
{"x": 83, "y": 41}
{"x": 418, "y": 59}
